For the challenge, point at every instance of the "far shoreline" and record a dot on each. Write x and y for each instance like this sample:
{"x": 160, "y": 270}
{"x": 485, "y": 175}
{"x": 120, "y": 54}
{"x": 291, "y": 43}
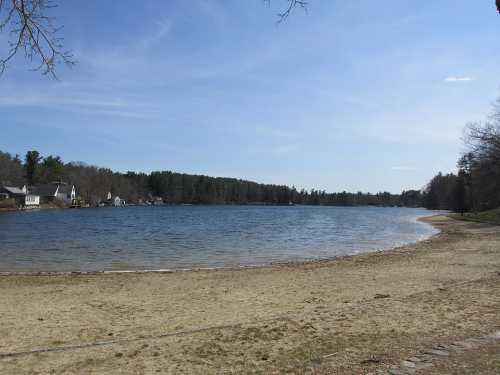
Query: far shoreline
{"x": 54, "y": 207}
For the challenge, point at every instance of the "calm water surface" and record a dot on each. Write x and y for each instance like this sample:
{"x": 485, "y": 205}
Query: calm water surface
{"x": 198, "y": 236}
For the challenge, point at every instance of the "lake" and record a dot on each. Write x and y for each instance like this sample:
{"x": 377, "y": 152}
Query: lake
{"x": 179, "y": 237}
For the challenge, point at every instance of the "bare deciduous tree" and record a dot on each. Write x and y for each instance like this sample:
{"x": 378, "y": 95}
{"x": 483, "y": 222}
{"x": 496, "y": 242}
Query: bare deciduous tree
{"x": 481, "y": 162}
{"x": 33, "y": 33}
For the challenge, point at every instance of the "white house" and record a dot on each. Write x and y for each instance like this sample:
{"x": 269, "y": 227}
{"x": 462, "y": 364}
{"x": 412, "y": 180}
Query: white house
{"x": 118, "y": 202}
{"x": 66, "y": 193}
{"x": 31, "y": 200}
{"x": 59, "y": 191}
{"x": 20, "y": 195}
{"x": 11, "y": 192}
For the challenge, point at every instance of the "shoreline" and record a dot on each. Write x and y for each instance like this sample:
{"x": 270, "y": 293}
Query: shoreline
{"x": 45, "y": 207}
{"x": 425, "y": 219}
{"x": 356, "y": 314}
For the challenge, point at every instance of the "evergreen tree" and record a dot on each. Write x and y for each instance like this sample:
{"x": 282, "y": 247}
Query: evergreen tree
{"x": 31, "y": 165}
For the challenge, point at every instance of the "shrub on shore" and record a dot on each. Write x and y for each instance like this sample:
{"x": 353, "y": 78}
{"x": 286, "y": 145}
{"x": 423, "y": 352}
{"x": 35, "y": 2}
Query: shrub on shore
{"x": 8, "y": 204}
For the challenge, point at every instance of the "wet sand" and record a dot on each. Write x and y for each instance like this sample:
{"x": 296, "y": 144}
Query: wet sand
{"x": 346, "y": 316}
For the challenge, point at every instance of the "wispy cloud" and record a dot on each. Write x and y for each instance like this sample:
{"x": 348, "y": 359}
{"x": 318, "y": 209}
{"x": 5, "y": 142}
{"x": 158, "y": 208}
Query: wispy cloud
{"x": 115, "y": 108}
{"x": 459, "y": 79}
{"x": 276, "y": 133}
{"x": 403, "y": 168}
{"x": 283, "y": 150}
{"x": 163, "y": 28}
{"x": 48, "y": 101}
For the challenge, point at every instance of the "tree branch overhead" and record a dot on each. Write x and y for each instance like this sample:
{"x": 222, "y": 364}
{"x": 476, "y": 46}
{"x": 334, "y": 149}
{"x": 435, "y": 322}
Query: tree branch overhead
{"x": 33, "y": 33}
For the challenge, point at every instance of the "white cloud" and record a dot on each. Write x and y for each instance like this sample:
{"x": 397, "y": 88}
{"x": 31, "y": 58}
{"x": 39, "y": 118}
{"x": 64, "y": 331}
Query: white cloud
{"x": 459, "y": 79}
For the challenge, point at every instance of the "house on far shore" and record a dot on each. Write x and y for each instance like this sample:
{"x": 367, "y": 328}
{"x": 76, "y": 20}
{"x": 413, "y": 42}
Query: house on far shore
{"x": 55, "y": 191}
{"x": 118, "y": 202}
{"x": 114, "y": 201}
{"x": 20, "y": 195}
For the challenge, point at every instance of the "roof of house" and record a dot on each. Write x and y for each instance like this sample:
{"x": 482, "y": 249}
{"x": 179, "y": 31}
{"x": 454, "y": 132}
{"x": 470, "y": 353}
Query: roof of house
{"x": 65, "y": 189}
{"x": 48, "y": 190}
{"x": 13, "y": 190}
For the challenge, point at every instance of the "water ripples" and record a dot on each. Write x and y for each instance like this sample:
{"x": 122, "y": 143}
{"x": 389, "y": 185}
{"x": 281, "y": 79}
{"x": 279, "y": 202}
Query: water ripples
{"x": 197, "y": 236}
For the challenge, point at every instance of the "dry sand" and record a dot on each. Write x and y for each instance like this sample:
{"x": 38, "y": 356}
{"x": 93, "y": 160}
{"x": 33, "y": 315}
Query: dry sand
{"x": 352, "y": 315}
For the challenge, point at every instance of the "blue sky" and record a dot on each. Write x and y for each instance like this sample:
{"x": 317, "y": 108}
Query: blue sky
{"x": 354, "y": 95}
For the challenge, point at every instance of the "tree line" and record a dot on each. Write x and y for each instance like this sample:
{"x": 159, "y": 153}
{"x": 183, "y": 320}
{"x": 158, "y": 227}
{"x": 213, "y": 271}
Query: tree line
{"x": 94, "y": 183}
{"x": 476, "y": 185}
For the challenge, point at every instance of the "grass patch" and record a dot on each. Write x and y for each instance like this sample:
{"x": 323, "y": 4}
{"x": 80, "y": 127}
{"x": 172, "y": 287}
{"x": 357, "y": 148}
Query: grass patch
{"x": 490, "y": 217}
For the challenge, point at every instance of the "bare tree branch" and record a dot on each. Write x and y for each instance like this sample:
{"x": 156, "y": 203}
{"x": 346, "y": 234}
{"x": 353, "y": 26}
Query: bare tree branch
{"x": 34, "y": 33}
{"x": 292, "y": 4}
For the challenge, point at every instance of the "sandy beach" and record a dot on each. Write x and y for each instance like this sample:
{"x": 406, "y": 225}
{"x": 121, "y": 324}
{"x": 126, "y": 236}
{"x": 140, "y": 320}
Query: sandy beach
{"x": 353, "y": 315}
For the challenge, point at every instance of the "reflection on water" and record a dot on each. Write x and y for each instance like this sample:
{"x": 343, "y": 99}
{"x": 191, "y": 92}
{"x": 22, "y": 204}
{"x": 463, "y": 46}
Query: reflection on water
{"x": 197, "y": 236}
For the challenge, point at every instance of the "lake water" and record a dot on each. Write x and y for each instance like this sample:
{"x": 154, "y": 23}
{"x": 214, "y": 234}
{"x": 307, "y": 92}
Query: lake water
{"x": 173, "y": 237}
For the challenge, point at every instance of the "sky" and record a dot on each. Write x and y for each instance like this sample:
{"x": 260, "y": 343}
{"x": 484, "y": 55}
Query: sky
{"x": 353, "y": 95}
